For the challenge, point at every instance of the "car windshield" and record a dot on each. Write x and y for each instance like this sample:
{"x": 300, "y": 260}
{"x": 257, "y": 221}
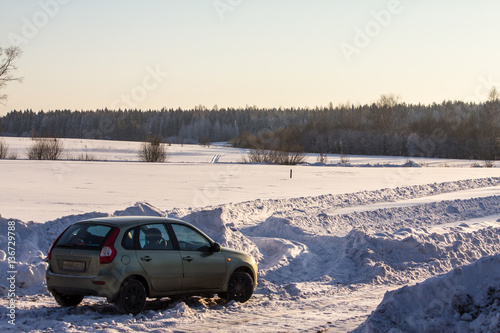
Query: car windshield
{"x": 84, "y": 236}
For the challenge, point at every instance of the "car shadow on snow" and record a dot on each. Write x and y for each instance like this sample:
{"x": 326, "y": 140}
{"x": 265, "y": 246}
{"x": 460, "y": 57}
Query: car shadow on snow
{"x": 104, "y": 308}
{"x": 164, "y": 304}
{"x": 99, "y": 308}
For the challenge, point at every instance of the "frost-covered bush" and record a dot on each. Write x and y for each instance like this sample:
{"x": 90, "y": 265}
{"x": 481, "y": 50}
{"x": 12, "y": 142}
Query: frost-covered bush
{"x": 275, "y": 157}
{"x": 45, "y": 149}
{"x": 153, "y": 150}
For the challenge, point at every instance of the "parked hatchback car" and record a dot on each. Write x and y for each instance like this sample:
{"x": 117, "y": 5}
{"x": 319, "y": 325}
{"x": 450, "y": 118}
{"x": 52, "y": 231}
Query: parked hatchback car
{"x": 127, "y": 259}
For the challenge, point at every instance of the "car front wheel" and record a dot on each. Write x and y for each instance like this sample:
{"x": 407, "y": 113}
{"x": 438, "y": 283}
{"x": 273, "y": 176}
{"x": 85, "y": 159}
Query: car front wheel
{"x": 132, "y": 297}
{"x": 240, "y": 287}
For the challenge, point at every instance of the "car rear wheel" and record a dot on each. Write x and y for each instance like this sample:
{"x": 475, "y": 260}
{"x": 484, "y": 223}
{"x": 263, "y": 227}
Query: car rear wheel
{"x": 240, "y": 287}
{"x": 132, "y": 297}
{"x": 67, "y": 300}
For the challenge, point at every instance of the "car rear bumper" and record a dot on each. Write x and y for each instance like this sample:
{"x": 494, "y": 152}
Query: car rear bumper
{"x": 82, "y": 285}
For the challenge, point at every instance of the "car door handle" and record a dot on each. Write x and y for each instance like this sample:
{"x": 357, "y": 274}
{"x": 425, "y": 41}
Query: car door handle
{"x": 147, "y": 258}
{"x": 188, "y": 258}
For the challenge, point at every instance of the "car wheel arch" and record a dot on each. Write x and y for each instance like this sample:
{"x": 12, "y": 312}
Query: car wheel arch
{"x": 139, "y": 278}
{"x": 246, "y": 270}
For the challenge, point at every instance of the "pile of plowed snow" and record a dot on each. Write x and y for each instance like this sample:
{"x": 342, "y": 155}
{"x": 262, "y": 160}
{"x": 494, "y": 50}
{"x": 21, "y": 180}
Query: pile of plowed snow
{"x": 466, "y": 299}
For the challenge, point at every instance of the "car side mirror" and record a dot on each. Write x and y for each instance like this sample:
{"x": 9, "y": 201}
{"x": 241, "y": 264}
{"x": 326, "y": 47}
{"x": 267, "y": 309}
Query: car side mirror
{"x": 215, "y": 247}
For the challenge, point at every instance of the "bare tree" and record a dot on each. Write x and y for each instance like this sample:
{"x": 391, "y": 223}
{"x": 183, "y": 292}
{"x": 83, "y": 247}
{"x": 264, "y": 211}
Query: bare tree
{"x": 152, "y": 150}
{"x": 8, "y": 57}
{"x": 344, "y": 159}
{"x": 45, "y": 149}
{"x": 322, "y": 158}
{"x": 275, "y": 157}
{"x": 493, "y": 95}
{"x": 489, "y": 124}
{"x": 4, "y": 149}
{"x": 388, "y": 100}
{"x": 258, "y": 156}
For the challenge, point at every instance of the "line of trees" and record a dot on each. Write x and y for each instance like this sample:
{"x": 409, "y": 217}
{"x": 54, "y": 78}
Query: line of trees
{"x": 387, "y": 127}
{"x": 192, "y": 126}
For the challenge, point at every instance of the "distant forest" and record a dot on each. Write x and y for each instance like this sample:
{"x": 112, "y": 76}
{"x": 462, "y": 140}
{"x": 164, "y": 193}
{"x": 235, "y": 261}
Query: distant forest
{"x": 446, "y": 130}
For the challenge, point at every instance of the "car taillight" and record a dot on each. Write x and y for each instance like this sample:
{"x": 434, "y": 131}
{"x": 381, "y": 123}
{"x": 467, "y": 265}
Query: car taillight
{"x": 52, "y": 246}
{"x": 108, "y": 251}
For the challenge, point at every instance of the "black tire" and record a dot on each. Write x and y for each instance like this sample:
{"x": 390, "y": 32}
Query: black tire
{"x": 67, "y": 300}
{"x": 132, "y": 297}
{"x": 240, "y": 287}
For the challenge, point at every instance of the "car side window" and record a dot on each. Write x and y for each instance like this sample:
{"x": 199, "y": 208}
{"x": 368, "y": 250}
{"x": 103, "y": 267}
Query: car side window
{"x": 190, "y": 239}
{"x": 154, "y": 237}
{"x": 128, "y": 239}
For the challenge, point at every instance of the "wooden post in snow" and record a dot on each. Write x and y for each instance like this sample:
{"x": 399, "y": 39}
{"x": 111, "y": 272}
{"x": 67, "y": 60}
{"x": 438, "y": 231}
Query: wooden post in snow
{"x": 290, "y": 173}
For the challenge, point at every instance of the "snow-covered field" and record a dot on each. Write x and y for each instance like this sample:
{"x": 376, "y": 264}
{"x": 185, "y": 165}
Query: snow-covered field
{"x": 334, "y": 243}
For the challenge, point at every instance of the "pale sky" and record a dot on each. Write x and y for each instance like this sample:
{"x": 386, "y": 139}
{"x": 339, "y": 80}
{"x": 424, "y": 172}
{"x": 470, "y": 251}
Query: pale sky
{"x": 149, "y": 54}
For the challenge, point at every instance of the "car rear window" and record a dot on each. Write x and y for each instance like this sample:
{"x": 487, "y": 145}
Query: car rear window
{"x": 84, "y": 236}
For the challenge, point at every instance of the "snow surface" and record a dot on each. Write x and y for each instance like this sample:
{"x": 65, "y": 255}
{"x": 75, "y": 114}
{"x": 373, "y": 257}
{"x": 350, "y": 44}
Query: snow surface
{"x": 330, "y": 242}
{"x": 31, "y": 190}
{"x": 466, "y": 299}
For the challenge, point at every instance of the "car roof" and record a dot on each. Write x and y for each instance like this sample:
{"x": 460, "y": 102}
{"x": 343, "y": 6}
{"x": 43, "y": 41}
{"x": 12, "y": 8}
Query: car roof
{"x": 121, "y": 221}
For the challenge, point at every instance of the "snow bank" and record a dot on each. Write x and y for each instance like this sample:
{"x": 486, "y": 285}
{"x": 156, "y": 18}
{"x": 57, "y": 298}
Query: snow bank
{"x": 292, "y": 253}
{"x": 407, "y": 164}
{"x": 466, "y": 299}
{"x": 140, "y": 209}
{"x": 325, "y": 206}
{"x": 216, "y": 225}
{"x": 311, "y": 250}
{"x": 412, "y": 255}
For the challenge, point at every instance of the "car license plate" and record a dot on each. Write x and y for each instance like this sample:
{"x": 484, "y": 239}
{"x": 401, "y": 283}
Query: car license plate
{"x": 78, "y": 266}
